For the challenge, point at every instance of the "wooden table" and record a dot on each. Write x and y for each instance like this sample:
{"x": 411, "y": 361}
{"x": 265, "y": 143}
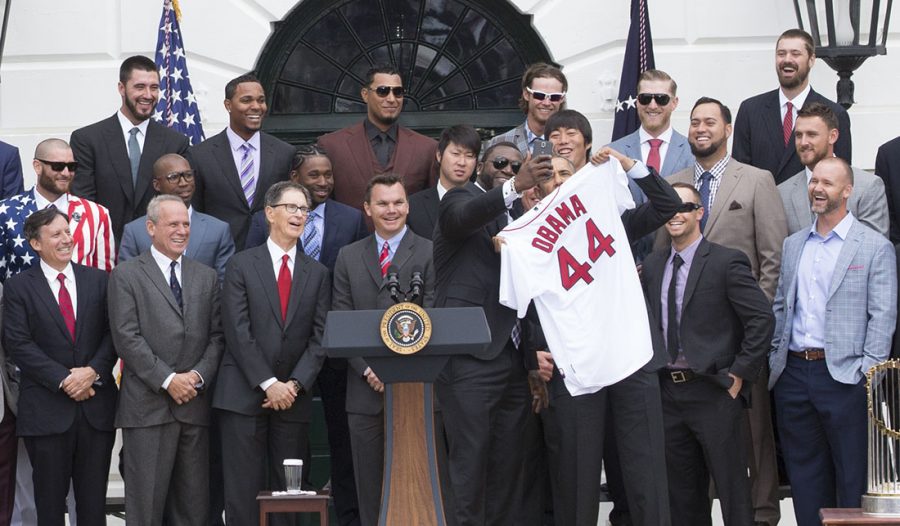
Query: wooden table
{"x": 269, "y": 503}
{"x": 853, "y": 517}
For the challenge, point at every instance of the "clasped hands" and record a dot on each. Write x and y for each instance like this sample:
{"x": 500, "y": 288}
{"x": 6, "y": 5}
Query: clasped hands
{"x": 182, "y": 387}
{"x": 280, "y": 396}
{"x": 79, "y": 384}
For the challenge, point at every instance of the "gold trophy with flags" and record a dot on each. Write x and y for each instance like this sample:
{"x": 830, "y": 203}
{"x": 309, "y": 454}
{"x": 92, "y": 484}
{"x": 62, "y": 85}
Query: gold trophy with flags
{"x": 883, "y": 387}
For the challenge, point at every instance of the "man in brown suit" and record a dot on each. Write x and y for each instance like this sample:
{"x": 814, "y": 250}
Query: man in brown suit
{"x": 745, "y": 212}
{"x": 379, "y": 144}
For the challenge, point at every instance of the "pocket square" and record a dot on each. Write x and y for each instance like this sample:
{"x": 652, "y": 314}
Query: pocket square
{"x": 735, "y": 206}
{"x": 856, "y": 267}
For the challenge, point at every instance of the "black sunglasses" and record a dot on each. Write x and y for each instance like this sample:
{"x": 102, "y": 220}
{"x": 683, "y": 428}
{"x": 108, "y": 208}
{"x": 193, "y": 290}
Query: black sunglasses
{"x": 383, "y": 91}
{"x": 172, "y": 178}
{"x": 661, "y": 98}
{"x": 540, "y": 95}
{"x": 502, "y": 162}
{"x": 58, "y": 166}
{"x": 688, "y": 207}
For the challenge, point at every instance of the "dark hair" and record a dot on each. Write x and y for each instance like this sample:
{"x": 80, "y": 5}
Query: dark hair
{"x": 690, "y": 187}
{"x": 306, "y": 151}
{"x": 571, "y": 119}
{"x": 386, "y": 179}
{"x": 385, "y": 69}
{"x": 461, "y": 135}
{"x": 274, "y": 193}
{"x": 822, "y": 111}
{"x": 802, "y": 35}
{"x": 136, "y": 62}
{"x": 39, "y": 219}
{"x": 657, "y": 74}
{"x": 726, "y": 113}
{"x": 232, "y": 85}
{"x": 541, "y": 70}
{"x": 491, "y": 148}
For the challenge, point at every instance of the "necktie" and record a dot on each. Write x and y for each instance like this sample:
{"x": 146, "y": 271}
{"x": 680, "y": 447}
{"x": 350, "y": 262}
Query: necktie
{"x": 65, "y": 305}
{"x": 174, "y": 285}
{"x": 653, "y": 160}
{"x": 705, "y": 179}
{"x": 382, "y": 149}
{"x": 312, "y": 244}
{"x": 672, "y": 329}
{"x": 384, "y": 260}
{"x": 284, "y": 285}
{"x": 134, "y": 154}
{"x": 788, "y": 125}
{"x": 248, "y": 181}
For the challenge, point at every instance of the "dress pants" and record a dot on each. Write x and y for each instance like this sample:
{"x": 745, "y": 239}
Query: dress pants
{"x": 8, "y": 453}
{"x": 534, "y": 482}
{"x": 759, "y": 438}
{"x": 822, "y": 425}
{"x": 332, "y": 383}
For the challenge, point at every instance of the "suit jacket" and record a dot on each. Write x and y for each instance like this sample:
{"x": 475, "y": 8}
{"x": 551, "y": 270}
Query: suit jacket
{"x": 746, "y": 214}
{"x": 10, "y": 171}
{"x": 517, "y": 136}
{"x": 867, "y": 202}
{"x": 218, "y": 185}
{"x": 887, "y": 166}
{"x": 895, "y": 346}
{"x": 35, "y": 335}
{"x": 210, "y": 242}
{"x": 9, "y": 380}
{"x": 424, "y": 207}
{"x": 104, "y": 171}
{"x": 861, "y": 309}
{"x": 358, "y": 285}
{"x": 719, "y": 286}
{"x": 258, "y": 344}
{"x": 759, "y": 135}
{"x": 354, "y": 162}
{"x": 156, "y": 338}
{"x": 343, "y": 225}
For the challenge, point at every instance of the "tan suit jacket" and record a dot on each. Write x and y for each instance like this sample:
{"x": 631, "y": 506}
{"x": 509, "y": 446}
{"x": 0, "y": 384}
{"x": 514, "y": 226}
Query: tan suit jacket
{"x": 748, "y": 215}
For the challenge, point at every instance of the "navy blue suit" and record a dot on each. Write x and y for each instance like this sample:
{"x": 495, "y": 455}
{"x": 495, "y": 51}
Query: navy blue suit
{"x": 10, "y": 171}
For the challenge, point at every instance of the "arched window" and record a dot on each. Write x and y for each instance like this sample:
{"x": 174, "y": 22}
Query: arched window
{"x": 461, "y": 62}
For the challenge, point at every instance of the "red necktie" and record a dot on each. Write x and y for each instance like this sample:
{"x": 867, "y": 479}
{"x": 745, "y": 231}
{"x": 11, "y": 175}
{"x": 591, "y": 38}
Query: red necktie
{"x": 65, "y": 305}
{"x": 384, "y": 260}
{"x": 284, "y": 285}
{"x": 788, "y": 126}
{"x": 653, "y": 156}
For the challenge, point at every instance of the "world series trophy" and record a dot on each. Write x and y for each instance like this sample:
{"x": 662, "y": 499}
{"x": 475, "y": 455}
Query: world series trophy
{"x": 883, "y": 387}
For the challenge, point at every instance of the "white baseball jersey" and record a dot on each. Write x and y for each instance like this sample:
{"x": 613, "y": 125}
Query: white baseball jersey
{"x": 571, "y": 256}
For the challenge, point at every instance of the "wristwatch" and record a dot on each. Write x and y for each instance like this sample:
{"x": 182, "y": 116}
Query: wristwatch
{"x": 298, "y": 387}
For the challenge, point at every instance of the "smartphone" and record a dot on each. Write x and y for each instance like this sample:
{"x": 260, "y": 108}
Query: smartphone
{"x": 541, "y": 147}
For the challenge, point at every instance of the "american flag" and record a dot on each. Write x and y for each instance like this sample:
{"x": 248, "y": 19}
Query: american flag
{"x": 638, "y": 59}
{"x": 177, "y": 106}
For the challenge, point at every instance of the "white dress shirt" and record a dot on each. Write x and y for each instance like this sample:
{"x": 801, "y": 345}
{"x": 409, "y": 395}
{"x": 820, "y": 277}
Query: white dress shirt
{"x": 51, "y": 275}
{"x": 665, "y": 137}
{"x": 797, "y": 101}
{"x": 277, "y": 254}
{"x": 127, "y": 125}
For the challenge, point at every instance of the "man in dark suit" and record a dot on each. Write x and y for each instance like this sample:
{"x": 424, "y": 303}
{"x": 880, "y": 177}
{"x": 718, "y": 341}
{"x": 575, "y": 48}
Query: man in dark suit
{"x": 9, "y": 396}
{"x": 115, "y": 156}
{"x": 379, "y": 144}
{"x": 233, "y": 170}
{"x": 164, "y": 312}
{"x": 887, "y": 166}
{"x": 210, "y": 241}
{"x": 763, "y": 134}
{"x": 457, "y": 155}
{"x": 57, "y": 331}
{"x": 10, "y": 171}
{"x": 274, "y": 303}
{"x": 705, "y": 385}
{"x": 359, "y": 284}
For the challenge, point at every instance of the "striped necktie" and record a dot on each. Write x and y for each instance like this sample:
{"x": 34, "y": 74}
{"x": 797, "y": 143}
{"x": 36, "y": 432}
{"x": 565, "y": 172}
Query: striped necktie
{"x": 248, "y": 181}
{"x": 384, "y": 260}
{"x": 312, "y": 243}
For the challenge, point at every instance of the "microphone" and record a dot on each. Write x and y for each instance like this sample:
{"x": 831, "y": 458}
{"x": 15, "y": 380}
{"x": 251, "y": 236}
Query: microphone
{"x": 393, "y": 283}
{"x": 416, "y": 283}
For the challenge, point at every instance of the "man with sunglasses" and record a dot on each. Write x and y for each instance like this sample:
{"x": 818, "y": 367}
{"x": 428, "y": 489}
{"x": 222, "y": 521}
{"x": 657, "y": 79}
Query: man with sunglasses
{"x": 543, "y": 94}
{"x": 501, "y": 161}
{"x": 379, "y": 144}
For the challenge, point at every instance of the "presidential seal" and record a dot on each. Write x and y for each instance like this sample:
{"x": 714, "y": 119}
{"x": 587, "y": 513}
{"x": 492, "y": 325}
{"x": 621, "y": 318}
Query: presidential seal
{"x": 405, "y": 328}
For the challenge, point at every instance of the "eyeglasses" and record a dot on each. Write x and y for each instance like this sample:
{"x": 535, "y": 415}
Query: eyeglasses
{"x": 661, "y": 98}
{"x": 58, "y": 166}
{"x": 500, "y": 163}
{"x": 540, "y": 95}
{"x": 291, "y": 208}
{"x": 172, "y": 178}
{"x": 383, "y": 91}
{"x": 687, "y": 207}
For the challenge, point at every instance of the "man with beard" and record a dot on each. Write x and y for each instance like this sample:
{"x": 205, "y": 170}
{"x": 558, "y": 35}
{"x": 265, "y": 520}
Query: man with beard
{"x": 835, "y": 310}
{"x": 815, "y": 134}
{"x": 116, "y": 155}
{"x": 500, "y": 162}
{"x": 763, "y": 129}
{"x": 743, "y": 211}
{"x": 379, "y": 144}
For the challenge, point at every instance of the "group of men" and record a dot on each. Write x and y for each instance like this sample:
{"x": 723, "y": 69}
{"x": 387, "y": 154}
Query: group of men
{"x": 208, "y": 271}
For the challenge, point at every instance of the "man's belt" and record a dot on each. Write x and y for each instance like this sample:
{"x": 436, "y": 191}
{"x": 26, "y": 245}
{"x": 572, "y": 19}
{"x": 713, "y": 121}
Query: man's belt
{"x": 810, "y": 354}
{"x": 678, "y": 376}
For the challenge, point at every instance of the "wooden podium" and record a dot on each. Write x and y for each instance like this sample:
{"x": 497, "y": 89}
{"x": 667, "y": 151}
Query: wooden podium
{"x": 411, "y": 490}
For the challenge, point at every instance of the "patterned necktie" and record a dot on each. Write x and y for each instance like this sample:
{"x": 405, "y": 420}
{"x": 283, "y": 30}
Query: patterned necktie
{"x": 175, "y": 286}
{"x": 284, "y": 285}
{"x": 705, "y": 180}
{"x": 248, "y": 181}
{"x": 384, "y": 260}
{"x": 788, "y": 125}
{"x": 653, "y": 160}
{"x": 134, "y": 154}
{"x": 65, "y": 305}
{"x": 312, "y": 243}
{"x": 672, "y": 328}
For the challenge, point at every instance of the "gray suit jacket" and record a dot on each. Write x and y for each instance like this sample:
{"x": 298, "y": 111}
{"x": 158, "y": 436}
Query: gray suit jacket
{"x": 9, "y": 382}
{"x": 156, "y": 338}
{"x": 358, "y": 285}
{"x": 210, "y": 242}
{"x": 861, "y": 309}
{"x": 867, "y": 202}
{"x": 517, "y": 136}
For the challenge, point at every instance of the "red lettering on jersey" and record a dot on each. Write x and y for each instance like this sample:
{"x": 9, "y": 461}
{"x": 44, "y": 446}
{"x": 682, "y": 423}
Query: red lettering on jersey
{"x": 571, "y": 271}
{"x": 564, "y": 213}
{"x": 540, "y": 244}
{"x": 558, "y": 226}
{"x": 548, "y": 234}
{"x": 597, "y": 242}
{"x": 577, "y": 207}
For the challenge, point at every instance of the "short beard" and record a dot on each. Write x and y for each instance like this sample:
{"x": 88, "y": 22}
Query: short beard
{"x": 705, "y": 152}
{"x": 132, "y": 107}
